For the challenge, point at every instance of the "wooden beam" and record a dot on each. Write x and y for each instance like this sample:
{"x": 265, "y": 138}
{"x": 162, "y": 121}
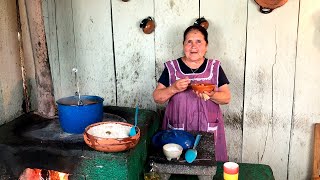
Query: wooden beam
{"x": 45, "y": 97}
{"x": 316, "y": 152}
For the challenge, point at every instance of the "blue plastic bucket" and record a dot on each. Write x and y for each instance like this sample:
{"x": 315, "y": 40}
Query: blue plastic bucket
{"x": 75, "y": 117}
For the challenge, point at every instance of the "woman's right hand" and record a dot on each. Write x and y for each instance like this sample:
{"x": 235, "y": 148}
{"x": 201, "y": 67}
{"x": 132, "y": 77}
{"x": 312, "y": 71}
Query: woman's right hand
{"x": 162, "y": 93}
{"x": 181, "y": 85}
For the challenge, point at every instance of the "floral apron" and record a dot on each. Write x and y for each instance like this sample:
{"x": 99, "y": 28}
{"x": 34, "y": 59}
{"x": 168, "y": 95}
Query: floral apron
{"x": 186, "y": 111}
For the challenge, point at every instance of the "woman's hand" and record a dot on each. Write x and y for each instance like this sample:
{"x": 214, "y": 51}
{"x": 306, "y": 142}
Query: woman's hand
{"x": 181, "y": 85}
{"x": 162, "y": 93}
{"x": 220, "y": 96}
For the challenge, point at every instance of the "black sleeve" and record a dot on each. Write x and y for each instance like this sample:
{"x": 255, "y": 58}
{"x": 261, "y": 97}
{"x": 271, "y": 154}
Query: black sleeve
{"x": 222, "y": 78}
{"x": 164, "y": 78}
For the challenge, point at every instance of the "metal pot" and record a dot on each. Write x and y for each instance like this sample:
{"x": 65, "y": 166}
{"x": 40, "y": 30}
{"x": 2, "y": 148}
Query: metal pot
{"x": 75, "y": 115}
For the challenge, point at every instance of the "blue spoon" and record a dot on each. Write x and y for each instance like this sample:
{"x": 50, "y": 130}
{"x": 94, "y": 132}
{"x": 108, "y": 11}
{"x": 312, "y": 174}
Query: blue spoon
{"x": 133, "y": 129}
{"x": 191, "y": 154}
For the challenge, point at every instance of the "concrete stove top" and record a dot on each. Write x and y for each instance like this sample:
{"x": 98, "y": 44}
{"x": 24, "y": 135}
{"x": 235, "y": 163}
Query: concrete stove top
{"x": 31, "y": 141}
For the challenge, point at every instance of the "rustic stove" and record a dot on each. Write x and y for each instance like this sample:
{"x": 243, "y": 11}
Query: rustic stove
{"x": 32, "y": 143}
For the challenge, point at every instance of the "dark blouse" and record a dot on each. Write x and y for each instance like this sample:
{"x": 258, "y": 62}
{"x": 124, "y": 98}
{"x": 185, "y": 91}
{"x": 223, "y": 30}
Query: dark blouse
{"x": 164, "y": 78}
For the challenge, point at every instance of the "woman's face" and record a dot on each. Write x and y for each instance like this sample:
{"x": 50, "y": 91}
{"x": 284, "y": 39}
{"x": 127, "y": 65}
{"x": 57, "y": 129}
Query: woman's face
{"x": 194, "y": 46}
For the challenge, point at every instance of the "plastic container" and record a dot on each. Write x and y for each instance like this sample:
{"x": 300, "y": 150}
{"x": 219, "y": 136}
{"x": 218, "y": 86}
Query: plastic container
{"x": 74, "y": 117}
{"x": 230, "y": 171}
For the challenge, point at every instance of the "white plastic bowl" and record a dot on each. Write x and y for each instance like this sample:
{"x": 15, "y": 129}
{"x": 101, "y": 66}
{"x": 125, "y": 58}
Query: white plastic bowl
{"x": 172, "y": 151}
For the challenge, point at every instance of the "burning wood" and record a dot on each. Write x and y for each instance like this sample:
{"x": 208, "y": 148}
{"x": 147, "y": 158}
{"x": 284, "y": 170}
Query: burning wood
{"x": 42, "y": 174}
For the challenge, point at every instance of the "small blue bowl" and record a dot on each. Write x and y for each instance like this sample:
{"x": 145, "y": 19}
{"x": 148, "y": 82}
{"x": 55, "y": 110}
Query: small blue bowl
{"x": 183, "y": 138}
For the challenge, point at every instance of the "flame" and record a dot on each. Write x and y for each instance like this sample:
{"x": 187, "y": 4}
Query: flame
{"x": 35, "y": 174}
{"x": 63, "y": 176}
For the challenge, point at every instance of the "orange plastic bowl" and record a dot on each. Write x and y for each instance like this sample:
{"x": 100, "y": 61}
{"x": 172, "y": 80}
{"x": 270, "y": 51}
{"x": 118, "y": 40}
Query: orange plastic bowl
{"x": 201, "y": 87}
{"x": 111, "y": 144}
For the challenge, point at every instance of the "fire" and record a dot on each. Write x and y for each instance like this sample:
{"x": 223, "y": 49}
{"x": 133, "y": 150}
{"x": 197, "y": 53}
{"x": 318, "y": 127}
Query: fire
{"x": 42, "y": 174}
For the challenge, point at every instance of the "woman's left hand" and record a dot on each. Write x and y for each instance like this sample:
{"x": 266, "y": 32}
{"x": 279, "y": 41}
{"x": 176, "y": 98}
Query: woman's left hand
{"x": 205, "y": 95}
{"x": 222, "y": 96}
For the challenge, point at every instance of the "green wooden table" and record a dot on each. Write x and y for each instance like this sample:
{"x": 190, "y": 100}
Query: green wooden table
{"x": 247, "y": 172}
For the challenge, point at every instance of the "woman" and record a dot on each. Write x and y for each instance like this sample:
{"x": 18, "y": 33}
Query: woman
{"x": 189, "y": 110}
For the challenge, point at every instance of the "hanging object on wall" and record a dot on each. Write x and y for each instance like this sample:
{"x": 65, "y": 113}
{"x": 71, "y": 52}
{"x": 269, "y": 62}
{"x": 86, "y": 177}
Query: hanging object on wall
{"x": 147, "y": 25}
{"x": 202, "y": 22}
{"x": 125, "y": 0}
{"x": 267, "y": 6}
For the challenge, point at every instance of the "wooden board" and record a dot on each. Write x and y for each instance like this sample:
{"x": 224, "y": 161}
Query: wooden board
{"x": 172, "y": 18}
{"x": 227, "y": 42}
{"x": 93, "y": 48}
{"x": 11, "y": 93}
{"x": 82, "y": 32}
{"x": 50, "y": 22}
{"x": 269, "y": 86}
{"x": 316, "y": 151}
{"x": 134, "y": 54}
{"x": 306, "y": 95}
{"x": 28, "y": 56}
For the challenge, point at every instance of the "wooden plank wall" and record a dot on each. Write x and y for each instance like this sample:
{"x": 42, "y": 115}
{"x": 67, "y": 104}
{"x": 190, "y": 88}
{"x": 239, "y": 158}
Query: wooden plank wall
{"x": 11, "y": 91}
{"x": 134, "y": 54}
{"x": 80, "y": 36}
{"x": 271, "y": 61}
{"x": 306, "y": 95}
{"x": 227, "y": 42}
{"x": 269, "y": 86}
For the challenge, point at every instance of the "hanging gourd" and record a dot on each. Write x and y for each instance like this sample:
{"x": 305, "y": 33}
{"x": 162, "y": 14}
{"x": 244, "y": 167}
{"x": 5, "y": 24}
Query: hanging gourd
{"x": 202, "y": 22}
{"x": 267, "y": 6}
{"x": 147, "y": 25}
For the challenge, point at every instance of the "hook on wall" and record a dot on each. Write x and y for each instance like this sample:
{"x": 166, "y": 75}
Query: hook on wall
{"x": 202, "y": 22}
{"x": 147, "y": 25}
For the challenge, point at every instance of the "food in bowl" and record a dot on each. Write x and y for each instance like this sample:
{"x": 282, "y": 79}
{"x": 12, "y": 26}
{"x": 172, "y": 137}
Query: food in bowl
{"x": 201, "y": 87}
{"x": 110, "y": 136}
{"x": 110, "y": 130}
{"x": 172, "y": 151}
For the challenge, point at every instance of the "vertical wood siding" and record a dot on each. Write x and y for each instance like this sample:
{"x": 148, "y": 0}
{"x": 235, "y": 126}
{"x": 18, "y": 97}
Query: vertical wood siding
{"x": 269, "y": 86}
{"x": 172, "y": 18}
{"x": 134, "y": 54}
{"x": 307, "y": 87}
{"x": 271, "y": 61}
{"x": 80, "y": 36}
{"x": 11, "y": 92}
{"x": 227, "y": 42}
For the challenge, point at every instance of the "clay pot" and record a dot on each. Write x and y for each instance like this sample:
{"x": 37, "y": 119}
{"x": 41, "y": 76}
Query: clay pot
{"x": 202, "y": 22}
{"x": 267, "y": 6}
{"x": 111, "y": 144}
{"x": 201, "y": 87}
{"x": 147, "y": 25}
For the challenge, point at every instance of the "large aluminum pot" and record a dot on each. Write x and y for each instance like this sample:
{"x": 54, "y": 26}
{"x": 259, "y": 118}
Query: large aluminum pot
{"x": 75, "y": 115}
